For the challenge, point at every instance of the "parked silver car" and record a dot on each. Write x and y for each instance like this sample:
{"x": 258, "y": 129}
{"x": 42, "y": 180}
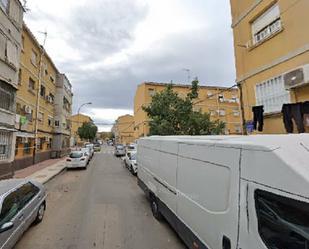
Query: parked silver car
{"x": 22, "y": 202}
{"x": 120, "y": 150}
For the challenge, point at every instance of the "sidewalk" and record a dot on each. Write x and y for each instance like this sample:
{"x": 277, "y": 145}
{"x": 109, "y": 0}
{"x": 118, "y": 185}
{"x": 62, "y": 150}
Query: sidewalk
{"x": 43, "y": 171}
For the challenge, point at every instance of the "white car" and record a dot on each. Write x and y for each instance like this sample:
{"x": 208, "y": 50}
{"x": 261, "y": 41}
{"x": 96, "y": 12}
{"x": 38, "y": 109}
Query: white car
{"x": 91, "y": 147}
{"x": 87, "y": 152}
{"x": 77, "y": 159}
{"x": 130, "y": 162}
{"x": 133, "y": 164}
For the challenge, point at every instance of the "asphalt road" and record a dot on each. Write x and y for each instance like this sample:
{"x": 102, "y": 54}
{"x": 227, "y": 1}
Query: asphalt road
{"x": 101, "y": 207}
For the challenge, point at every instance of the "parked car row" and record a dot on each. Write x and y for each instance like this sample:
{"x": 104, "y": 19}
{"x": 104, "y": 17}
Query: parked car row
{"x": 82, "y": 157}
{"x": 128, "y": 154}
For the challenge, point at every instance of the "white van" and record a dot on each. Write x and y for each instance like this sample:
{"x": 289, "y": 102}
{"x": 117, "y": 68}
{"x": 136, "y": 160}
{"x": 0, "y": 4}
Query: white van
{"x": 222, "y": 192}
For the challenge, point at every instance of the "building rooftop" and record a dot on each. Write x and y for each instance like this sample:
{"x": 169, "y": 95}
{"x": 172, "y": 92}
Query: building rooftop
{"x": 188, "y": 86}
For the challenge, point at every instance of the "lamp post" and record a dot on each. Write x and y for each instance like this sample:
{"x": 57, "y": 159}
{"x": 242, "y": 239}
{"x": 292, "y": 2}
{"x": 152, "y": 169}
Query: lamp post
{"x": 78, "y": 112}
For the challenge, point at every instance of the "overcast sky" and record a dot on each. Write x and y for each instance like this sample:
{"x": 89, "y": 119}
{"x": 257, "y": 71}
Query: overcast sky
{"x": 108, "y": 47}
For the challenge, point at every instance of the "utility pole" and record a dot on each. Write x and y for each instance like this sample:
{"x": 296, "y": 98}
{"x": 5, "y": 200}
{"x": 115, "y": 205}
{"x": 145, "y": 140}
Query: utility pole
{"x": 189, "y": 74}
{"x": 36, "y": 124}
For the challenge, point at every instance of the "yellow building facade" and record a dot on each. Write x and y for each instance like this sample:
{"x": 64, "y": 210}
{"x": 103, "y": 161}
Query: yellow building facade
{"x": 77, "y": 121}
{"x": 221, "y": 102}
{"x": 272, "y": 57}
{"x": 34, "y": 103}
{"x": 124, "y": 129}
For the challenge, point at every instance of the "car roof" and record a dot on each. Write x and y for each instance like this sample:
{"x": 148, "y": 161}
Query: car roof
{"x": 7, "y": 185}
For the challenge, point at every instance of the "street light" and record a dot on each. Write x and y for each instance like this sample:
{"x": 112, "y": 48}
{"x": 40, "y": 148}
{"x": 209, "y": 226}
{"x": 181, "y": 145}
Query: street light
{"x": 78, "y": 123}
{"x": 89, "y": 103}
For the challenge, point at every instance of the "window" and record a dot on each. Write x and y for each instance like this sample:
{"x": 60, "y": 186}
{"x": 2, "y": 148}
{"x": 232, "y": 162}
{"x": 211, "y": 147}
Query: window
{"x": 221, "y": 112}
{"x": 221, "y": 97}
{"x": 12, "y": 53}
{"x": 212, "y": 113}
{"x": 57, "y": 123}
{"x": 41, "y": 117}
{"x": 31, "y": 84}
{"x": 237, "y": 129}
{"x": 282, "y": 222}
{"x": 2, "y": 46}
{"x": 34, "y": 57}
{"x": 27, "y": 148}
{"x": 5, "y": 145}
{"x": 26, "y": 193}
{"x": 4, "y": 4}
{"x": 50, "y": 121}
{"x": 236, "y": 113}
{"x": 210, "y": 95}
{"x": 272, "y": 95}
{"x": 43, "y": 91}
{"x": 22, "y": 43}
{"x": 51, "y": 98}
{"x": 267, "y": 24}
{"x": 10, "y": 208}
{"x": 7, "y": 97}
{"x": 19, "y": 76}
{"x": 151, "y": 92}
{"x": 52, "y": 79}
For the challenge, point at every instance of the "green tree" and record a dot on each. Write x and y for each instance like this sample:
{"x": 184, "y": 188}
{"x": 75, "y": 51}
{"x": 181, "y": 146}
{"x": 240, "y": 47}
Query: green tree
{"x": 88, "y": 131}
{"x": 172, "y": 115}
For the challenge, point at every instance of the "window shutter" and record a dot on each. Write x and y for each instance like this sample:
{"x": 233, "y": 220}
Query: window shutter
{"x": 2, "y": 46}
{"x": 12, "y": 53}
{"x": 267, "y": 18}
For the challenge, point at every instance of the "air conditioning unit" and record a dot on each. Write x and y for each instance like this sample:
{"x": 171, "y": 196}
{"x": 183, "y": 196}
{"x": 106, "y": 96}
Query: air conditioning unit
{"x": 27, "y": 109}
{"x": 297, "y": 77}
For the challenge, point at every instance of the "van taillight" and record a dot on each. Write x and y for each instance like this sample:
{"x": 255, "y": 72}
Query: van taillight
{"x": 69, "y": 160}
{"x": 83, "y": 159}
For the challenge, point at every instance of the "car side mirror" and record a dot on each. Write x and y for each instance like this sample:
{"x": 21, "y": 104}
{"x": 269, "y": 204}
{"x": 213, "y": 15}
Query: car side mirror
{"x": 6, "y": 226}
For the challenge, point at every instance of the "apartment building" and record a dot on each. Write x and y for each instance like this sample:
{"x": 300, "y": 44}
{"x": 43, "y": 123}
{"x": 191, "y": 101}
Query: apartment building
{"x": 272, "y": 62}
{"x": 76, "y": 122}
{"x": 221, "y": 102}
{"x": 36, "y": 104}
{"x": 63, "y": 113}
{"x": 11, "y": 19}
{"x": 124, "y": 129}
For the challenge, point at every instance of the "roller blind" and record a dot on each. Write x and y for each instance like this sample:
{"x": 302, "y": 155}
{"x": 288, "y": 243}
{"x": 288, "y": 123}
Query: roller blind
{"x": 267, "y": 18}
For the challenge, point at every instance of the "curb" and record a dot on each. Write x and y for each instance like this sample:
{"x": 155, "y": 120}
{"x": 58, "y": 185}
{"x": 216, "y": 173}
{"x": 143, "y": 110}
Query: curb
{"x": 52, "y": 177}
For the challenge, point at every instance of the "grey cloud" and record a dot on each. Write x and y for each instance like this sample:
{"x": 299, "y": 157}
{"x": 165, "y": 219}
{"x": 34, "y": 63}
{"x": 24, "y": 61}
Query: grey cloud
{"x": 104, "y": 27}
{"x": 209, "y": 58}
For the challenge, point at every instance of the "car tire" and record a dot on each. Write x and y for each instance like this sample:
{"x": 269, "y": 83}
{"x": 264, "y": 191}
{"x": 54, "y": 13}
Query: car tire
{"x": 40, "y": 214}
{"x": 155, "y": 209}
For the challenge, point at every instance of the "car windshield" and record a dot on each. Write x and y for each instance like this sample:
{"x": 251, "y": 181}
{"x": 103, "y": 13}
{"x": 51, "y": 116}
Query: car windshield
{"x": 76, "y": 154}
{"x": 131, "y": 147}
{"x": 120, "y": 147}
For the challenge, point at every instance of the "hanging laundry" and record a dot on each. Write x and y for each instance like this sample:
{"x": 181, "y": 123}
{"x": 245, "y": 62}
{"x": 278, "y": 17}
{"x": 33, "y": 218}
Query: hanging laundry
{"x": 290, "y": 112}
{"x": 305, "y": 112}
{"x": 258, "y": 117}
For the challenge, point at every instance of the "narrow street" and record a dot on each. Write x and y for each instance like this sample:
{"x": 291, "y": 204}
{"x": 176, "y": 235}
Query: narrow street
{"x": 101, "y": 207}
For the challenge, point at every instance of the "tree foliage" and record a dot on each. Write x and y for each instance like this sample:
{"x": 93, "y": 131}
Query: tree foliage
{"x": 87, "y": 131}
{"x": 172, "y": 115}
